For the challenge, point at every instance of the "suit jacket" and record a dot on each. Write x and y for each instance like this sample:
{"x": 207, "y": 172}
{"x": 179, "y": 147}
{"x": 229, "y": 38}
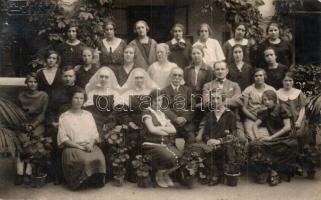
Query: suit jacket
{"x": 142, "y": 60}
{"x": 205, "y": 75}
{"x": 230, "y": 89}
{"x": 180, "y": 104}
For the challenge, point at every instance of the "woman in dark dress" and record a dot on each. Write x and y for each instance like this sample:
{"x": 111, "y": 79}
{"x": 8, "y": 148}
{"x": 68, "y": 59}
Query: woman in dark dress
{"x": 122, "y": 73}
{"x": 111, "y": 47}
{"x": 50, "y": 76}
{"x": 71, "y": 49}
{"x": 283, "y": 49}
{"x": 85, "y": 71}
{"x": 239, "y": 71}
{"x": 34, "y": 104}
{"x": 180, "y": 49}
{"x": 239, "y": 32}
{"x": 145, "y": 47}
{"x": 77, "y": 136}
{"x": 275, "y": 71}
{"x": 274, "y": 149}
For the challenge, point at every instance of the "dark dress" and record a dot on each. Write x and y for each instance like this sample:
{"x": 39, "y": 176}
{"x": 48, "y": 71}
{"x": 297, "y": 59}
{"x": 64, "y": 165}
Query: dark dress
{"x": 122, "y": 75}
{"x": 70, "y": 54}
{"x": 279, "y": 152}
{"x": 162, "y": 149}
{"x": 43, "y": 83}
{"x": 224, "y": 159}
{"x": 243, "y": 77}
{"x": 275, "y": 76}
{"x": 83, "y": 75}
{"x": 114, "y": 58}
{"x": 227, "y": 49}
{"x": 180, "y": 53}
{"x": 283, "y": 51}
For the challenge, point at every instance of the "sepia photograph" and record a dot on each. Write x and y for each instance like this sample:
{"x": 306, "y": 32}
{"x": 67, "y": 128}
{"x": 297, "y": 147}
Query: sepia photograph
{"x": 160, "y": 99}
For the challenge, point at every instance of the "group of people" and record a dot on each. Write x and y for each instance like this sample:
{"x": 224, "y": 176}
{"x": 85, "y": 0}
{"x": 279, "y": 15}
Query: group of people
{"x": 236, "y": 101}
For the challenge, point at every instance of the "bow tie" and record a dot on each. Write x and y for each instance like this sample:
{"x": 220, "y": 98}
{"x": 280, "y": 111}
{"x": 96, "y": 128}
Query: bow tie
{"x": 179, "y": 45}
{"x": 220, "y": 81}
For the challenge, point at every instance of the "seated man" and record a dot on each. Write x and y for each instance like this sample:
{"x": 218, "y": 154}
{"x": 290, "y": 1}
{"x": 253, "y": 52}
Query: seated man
{"x": 178, "y": 99}
{"x": 59, "y": 103}
{"x": 229, "y": 88}
{"x": 215, "y": 129}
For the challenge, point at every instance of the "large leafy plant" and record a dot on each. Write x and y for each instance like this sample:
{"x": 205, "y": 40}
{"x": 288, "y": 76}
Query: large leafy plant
{"x": 237, "y": 11}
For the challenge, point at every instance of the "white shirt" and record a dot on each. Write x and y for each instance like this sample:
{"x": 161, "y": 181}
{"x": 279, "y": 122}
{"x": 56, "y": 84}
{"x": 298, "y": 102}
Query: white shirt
{"x": 212, "y": 51}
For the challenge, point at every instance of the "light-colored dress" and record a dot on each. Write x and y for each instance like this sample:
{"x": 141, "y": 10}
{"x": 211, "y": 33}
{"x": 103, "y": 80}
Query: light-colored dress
{"x": 160, "y": 75}
{"x": 79, "y": 165}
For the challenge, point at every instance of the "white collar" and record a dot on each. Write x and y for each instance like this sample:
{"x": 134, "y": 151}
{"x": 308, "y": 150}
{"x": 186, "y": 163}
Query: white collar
{"x": 243, "y": 43}
{"x": 174, "y": 41}
{"x": 288, "y": 96}
{"x": 174, "y": 87}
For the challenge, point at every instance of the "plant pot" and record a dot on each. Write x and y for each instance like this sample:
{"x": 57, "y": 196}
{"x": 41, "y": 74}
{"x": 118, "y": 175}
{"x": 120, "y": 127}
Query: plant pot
{"x": 119, "y": 181}
{"x": 38, "y": 180}
{"x": 144, "y": 182}
{"x": 231, "y": 179}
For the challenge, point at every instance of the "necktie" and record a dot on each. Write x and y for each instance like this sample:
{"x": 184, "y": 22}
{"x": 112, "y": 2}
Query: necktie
{"x": 194, "y": 78}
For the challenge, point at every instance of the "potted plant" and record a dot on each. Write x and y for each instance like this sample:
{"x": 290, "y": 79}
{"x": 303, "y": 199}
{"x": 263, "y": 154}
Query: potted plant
{"x": 142, "y": 165}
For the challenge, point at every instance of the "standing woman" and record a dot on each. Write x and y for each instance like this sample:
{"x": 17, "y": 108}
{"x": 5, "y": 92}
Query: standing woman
{"x": 239, "y": 32}
{"x": 85, "y": 71}
{"x": 239, "y": 70}
{"x": 283, "y": 49}
{"x": 160, "y": 70}
{"x": 50, "y": 77}
{"x": 180, "y": 49}
{"x": 71, "y": 49}
{"x": 78, "y": 136}
{"x": 34, "y": 104}
{"x": 123, "y": 72}
{"x": 111, "y": 47}
{"x": 252, "y": 101}
{"x": 145, "y": 47}
{"x": 212, "y": 48}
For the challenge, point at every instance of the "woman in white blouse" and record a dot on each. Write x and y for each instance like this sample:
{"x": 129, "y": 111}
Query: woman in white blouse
{"x": 78, "y": 136}
{"x": 212, "y": 48}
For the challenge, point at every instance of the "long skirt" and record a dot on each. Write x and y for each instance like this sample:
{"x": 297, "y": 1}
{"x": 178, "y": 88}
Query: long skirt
{"x": 278, "y": 153}
{"x": 164, "y": 156}
{"x": 9, "y": 143}
{"x": 79, "y": 165}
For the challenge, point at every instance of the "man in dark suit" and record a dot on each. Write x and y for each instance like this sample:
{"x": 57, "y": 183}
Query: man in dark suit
{"x": 179, "y": 105}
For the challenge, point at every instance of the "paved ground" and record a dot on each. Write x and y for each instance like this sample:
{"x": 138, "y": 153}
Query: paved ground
{"x": 298, "y": 189}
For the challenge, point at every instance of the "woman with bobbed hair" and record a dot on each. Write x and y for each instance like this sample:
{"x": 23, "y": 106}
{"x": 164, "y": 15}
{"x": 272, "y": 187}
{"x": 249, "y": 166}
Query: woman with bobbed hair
{"x": 50, "y": 76}
{"x": 71, "y": 49}
{"x": 160, "y": 70}
{"x": 212, "y": 49}
{"x": 252, "y": 100}
{"x": 111, "y": 47}
{"x": 145, "y": 47}
{"x": 180, "y": 49}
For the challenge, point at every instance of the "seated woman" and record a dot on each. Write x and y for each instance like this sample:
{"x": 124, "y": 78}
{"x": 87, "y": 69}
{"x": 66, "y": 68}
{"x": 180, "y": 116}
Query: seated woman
{"x": 160, "y": 70}
{"x": 78, "y": 136}
{"x": 34, "y": 104}
{"x": 216, "y": 127}
{"x": 102, "y": 91}
{"x": 158, "y": 141}
{"x": 88, "y": 68}
{"x": 252, "y": 100}
{"x": 274, "y": 148}
{"x": 296, "y": 102}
